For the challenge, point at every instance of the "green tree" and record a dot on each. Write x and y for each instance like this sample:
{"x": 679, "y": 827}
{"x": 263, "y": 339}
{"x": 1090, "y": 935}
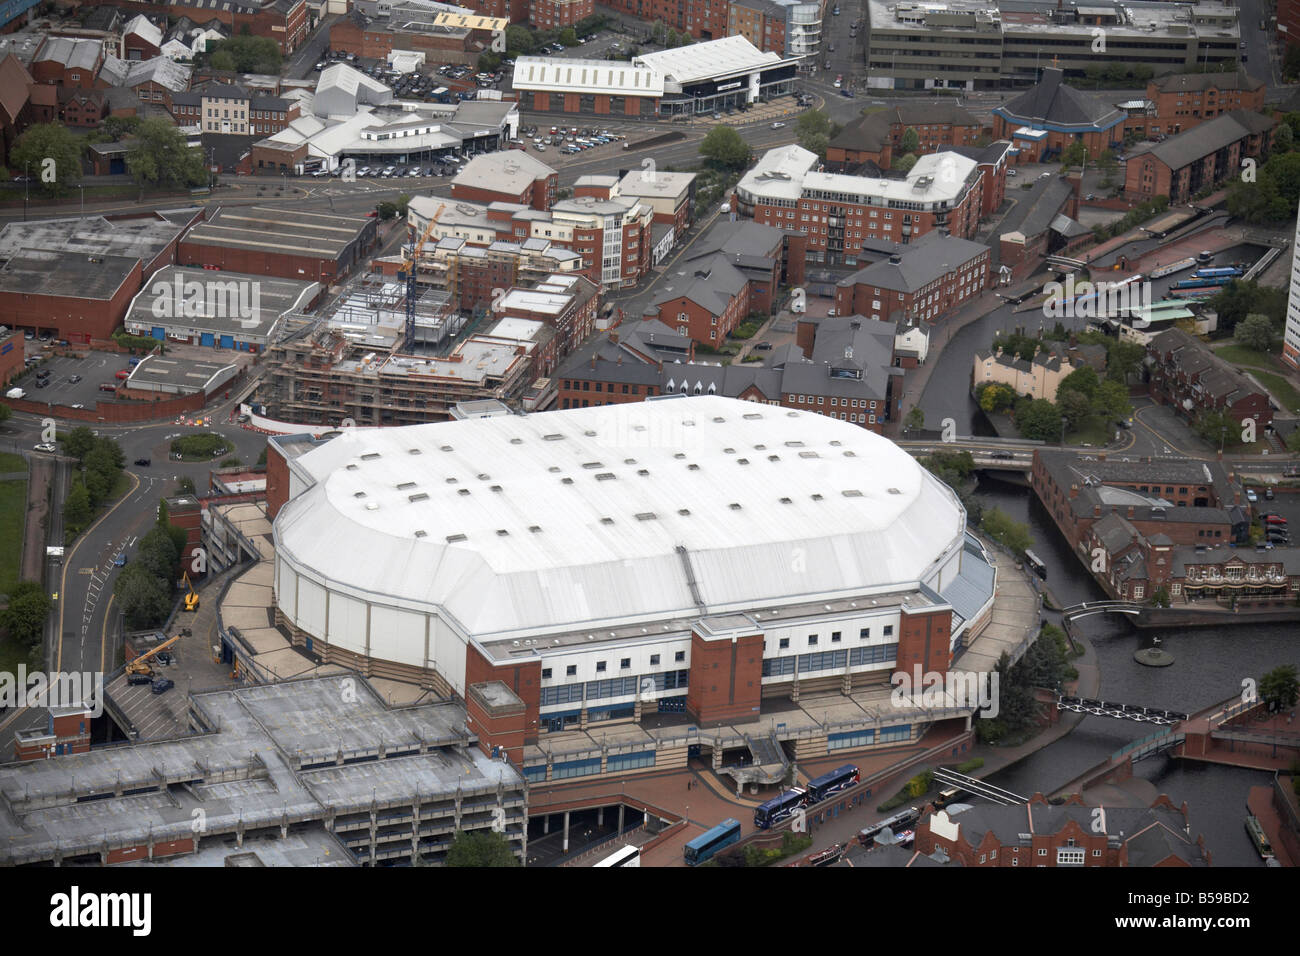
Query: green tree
{"x": 5, "y": 412}
{"x": 1075, "y": 406}
{"x": 249, "y": 54}
{"x": 1112, "y": 402}
{"x": 1284, "y": 139}
{"x": 1004, "y": 529}
{"x": 1218, "y": 427}
{"x": 1039, "y": 420}
{"x": 569, "y": 37}
{"x": 904, "y": 164}
{"x": 519, "y": 39}
{"x": 911, "y": 140}
{"x": 995, "y": 397}
{"x": 480, "y": 848}
{"x": 817, "y": 143}
{"x": 161, "y": 157}
{"x": 143, "y": 599}
{"x": 76, "y": 508}
{"x": 78, "y": 442}
{"x": 1255, "y": 331}
{"x": 25, "y": 617}
{"x": 1284, "y": 170}
{"x": 222, "y": 60}
{"x": 1123, "y": 359}
{"x": 724, "y": 148}
{"x": 51, "y": 154}
{"x": 915, "y": 419}
{"x": 1083, "y": 379}
{"x": 1076, "y": 154}
{"x": 157, "y": 553}
{"x": 1279, "y": 688}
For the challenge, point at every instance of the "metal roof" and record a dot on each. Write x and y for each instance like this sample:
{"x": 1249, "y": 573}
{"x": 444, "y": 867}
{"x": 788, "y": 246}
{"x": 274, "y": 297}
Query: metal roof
{"x": 586, "y": 517}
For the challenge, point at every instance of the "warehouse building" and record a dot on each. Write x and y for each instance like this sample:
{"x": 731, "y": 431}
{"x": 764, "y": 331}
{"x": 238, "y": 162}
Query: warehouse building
{"x": 604, "y": 564}
{"x": 262, "y": 240}
{"x": 224, "y": 310}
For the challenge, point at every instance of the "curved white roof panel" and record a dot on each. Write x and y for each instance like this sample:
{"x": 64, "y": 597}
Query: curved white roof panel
{"x": 710, "y": 60}
{"x": 526, "y": 524}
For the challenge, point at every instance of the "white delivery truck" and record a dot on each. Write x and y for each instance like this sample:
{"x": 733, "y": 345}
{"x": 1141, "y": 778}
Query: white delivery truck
{"x": 15, "y": 393}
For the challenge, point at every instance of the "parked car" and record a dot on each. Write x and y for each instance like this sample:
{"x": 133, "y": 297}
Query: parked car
{"x": 124, "y": 373}
{"x": 1268, "y": 494}
{"x": 778, "y": 126}
{"x": 143, "y": 462}
{"x": 46, "y": 446}
{"x": 74, "y": 379}
{"x": 107, "y": 387}
{"x": 162, "y": 685}
{"x": 139, "y": 679}
{"x": 120, "y": 560}
{"x": 1251, "y": 496}
{"x": 762, "y": 346}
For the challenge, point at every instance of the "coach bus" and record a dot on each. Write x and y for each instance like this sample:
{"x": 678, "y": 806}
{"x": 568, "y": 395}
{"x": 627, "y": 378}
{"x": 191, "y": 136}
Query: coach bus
{"x": 833, "y": 782}
{"x": 625, "y": 856}
{"x": 778, "y": 808}
{"x": 714, "y": 841}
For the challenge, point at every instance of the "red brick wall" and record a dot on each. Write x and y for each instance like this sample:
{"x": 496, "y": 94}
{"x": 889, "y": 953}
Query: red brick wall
{"x": 524, "y": 679}
{"x": 726, "y": 679}
{"x": 505, "y": 730}
{"x": 277, "y": 480}
{"x": 75, "y": 319}
{"x": 923, "y": 639}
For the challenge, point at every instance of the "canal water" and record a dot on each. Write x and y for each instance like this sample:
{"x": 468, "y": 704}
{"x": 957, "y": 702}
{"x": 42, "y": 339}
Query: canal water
{"x": 1209, "y": 666}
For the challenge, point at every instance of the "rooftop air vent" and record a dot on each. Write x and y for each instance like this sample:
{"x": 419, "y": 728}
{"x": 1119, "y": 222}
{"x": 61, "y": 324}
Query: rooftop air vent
{"x": 445, "y": 448}
{"x": 453, "y": 538}
{"x": 852, "y": 493}
{"x": 556, "y": 436}
{"x": 370, "y": 456}
{"x": 406, "y": 484}
{"x": 646, "y": 516}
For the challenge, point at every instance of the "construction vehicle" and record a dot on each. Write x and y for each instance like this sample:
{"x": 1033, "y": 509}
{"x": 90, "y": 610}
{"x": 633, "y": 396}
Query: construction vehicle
{"x": 140, "y": 665}
{"x": 410, "y": 263}
{"x": 191, "y": 599}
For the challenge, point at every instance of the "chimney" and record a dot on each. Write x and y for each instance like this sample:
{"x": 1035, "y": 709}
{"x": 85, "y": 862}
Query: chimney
{"x": 1096, "y": 511}
{"x": 1074, "y": 491}
{"x": 1130, "y": 511}
{"x": 593, "y": 361}
{"x": 895, "y": 259}
{"x": 613, "y": 338}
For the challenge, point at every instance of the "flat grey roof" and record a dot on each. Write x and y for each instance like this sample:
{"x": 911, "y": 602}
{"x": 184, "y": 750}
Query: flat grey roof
{"x": 157, "y": 370}
{"x": 275, "y": 230}
{"x": 232, "y": 302}
{"x": 143, "y": 238}
{"x": 66, "y": 274}
{"x": 246, "y": 770}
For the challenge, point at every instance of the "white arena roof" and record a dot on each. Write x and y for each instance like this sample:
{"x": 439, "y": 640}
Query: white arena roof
{"x": 621, "y": 514}
{"x": 709, "y": 60}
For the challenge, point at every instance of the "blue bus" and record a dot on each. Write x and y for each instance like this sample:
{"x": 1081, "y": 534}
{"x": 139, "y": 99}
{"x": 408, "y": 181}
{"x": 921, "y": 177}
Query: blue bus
{"x": 1217, "y": 272}
{"x": 713, "y": 841}
{"x": 833, "y": 782}
{"x": 778, "y": 808}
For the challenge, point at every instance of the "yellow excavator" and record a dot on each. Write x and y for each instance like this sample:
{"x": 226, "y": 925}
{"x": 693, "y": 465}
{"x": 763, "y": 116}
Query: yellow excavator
{"x": 191, "y": 599}
{"x": 141, "y": 664}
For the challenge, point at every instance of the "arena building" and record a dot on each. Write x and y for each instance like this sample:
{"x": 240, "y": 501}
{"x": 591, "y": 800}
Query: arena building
{"x": 693, "y": 554}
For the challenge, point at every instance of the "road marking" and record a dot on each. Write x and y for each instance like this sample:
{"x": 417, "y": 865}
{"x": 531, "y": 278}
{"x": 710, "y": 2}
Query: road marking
{"x": 86, "y": 571}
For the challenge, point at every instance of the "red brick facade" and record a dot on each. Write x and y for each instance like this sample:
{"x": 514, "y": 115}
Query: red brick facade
{"x": 726, "y": 681}
{"x": 558, "y": 14}
{"x": 525, "y": 680}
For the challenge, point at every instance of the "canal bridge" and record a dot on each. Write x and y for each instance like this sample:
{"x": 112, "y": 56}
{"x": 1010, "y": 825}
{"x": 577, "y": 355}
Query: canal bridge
{"x": 1105, "y": 708}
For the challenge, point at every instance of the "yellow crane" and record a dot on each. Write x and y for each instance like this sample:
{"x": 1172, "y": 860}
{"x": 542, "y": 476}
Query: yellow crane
{"x": 141, "y": 664}
{"x": 407, "y": 273}
{"x": 191, "y": 599}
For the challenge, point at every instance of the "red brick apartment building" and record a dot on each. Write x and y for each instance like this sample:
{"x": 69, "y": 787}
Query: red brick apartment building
{"x": 1192, "y": 379}
{"x": 376, "y": 38}
{"x": 842, "y": 214}
{"x": 558, "y": 14}
{"x": 67, "y": 731}
{"x": 1039, "y": 833}
{"x": 1198, "y": 158}
{"x": 917, "y": 283}
{"x": 68, "y": 62}
{"x": 510, "y": 176}
{"x": 761, "y": 22}
{"x": 878, "y": 137}
{"x": 702, "y": 19}
{"x": 1184, "y": 101}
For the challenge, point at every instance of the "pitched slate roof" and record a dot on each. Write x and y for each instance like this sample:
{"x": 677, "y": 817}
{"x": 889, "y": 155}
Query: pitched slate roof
{"x": 1050, "y": 104}
{"x": 1210, "y": 137}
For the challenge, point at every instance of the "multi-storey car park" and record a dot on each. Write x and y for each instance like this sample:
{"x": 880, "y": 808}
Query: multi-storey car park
{"x": 987, "y": 44}
{"x": 608, "y": 565}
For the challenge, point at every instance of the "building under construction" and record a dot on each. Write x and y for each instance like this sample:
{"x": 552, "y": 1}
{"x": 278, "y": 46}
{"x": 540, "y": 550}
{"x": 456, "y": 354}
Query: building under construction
{"x": 468, "y": 275}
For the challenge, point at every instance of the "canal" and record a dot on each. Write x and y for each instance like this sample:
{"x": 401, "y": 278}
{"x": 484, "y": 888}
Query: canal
{"x": 1210, "y": 664}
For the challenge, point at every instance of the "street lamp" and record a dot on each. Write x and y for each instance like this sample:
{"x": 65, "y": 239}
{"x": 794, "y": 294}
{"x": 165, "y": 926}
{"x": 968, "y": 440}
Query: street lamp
{"x": 82, "y": 187}
{"x": 27, "y": 180}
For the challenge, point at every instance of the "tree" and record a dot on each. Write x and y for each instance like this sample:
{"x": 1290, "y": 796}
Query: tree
{"x": 911, "y": 140}
{"x": 1075, "y": 406}
{"x": 24, "y": 618}
{"x": 117, "y": 128}
{"x": 1217, "y": 427}
{"x": 1254, "y": 332}
{"x": 51, "y": 155}
{"x": 158, "y": 554}
{"x": 481, "y": 848}
{"x": 817, "y": 143}
{"x": 161, "y": 157}
{"x": 1123, "y": 360}
{"x": 1039, "y": 420}
{"x": 519, "y": 39}
{"x": 1112, "y": 402}
{"x": 78, "y": 442}
{"x": 76, "y": 508}
{"x": 1083, "y": 380}
{"x": 904, "y": 164}
{"x": 261, "y": 458}
{"x": 915, "y": 419}
{"x": 5, "y": 412}
{"x": 814, "y": 121}
{"x": 144, "y": 601}
{"x": 1004, "y": 529}
{"x": 1284, "y": 139}
{"x": 1279, "y": 688}
{"x": 995, "y": 397}
{"x": 249, "y": 54}
{"x": 724, "y": 147}
{"x": 569, "y": 37}
{"x": 1076, "y": 154}
{"x": 223, "y": 60}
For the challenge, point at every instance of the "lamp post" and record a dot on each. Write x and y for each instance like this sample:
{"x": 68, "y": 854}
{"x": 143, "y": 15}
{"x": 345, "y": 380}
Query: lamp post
{"x": 82, "y": 187}
{"x": 27, "y": 183}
